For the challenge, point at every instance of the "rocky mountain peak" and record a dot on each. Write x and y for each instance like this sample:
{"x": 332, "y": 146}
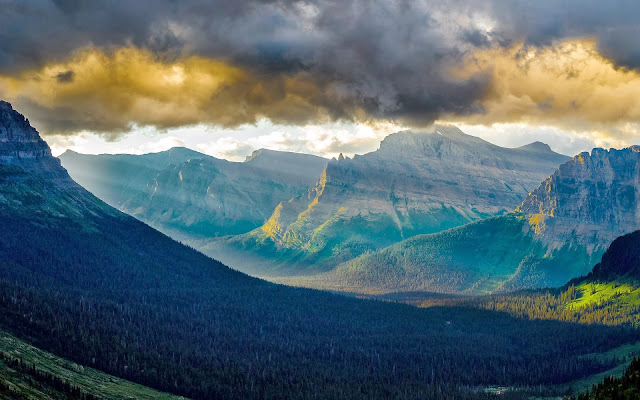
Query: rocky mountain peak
{"x": 593, "y": 194}
{"x": 254, "y": 155}
{"x": 18, "y": 139}
{"x": 538, "y": 147}
{"x": 33, "y": 181}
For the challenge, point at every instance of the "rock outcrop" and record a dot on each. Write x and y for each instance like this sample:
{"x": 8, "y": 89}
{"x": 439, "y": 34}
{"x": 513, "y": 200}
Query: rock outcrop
{"x": 32, "y": 181}
{"x": 594, "y": 198}
{"x": 19, "y": 141}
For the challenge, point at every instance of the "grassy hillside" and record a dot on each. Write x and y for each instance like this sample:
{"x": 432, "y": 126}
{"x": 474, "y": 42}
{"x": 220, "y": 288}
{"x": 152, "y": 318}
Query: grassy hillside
{"x": 30, "y": 373}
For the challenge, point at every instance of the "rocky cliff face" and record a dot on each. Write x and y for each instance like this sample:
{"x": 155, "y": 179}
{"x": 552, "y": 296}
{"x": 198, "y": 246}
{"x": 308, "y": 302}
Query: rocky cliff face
{"x": 19, "y": 141}
{"x": 415, "y": 183}
{"x": 593, "y": 197}
{"x": 32, "y": 181}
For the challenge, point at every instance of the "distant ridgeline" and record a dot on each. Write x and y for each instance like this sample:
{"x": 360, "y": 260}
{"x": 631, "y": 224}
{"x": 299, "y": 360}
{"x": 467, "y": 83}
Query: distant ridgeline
{"x": 189, "y": 195}
{"x": 102, "y": 289}
{"x": 415, "y": 183}
{"x": 558, "y": 232}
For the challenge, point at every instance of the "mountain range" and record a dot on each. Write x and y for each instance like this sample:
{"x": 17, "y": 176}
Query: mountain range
{"x": 190, "y": 195}
{"x": 307, "y": 215}
{"x": 415, "y": 183}
{"x": 102, "y": 289}
{"x": 558, "y": 232}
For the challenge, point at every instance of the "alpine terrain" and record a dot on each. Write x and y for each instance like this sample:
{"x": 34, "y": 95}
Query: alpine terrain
{"x": 415, "y": 183}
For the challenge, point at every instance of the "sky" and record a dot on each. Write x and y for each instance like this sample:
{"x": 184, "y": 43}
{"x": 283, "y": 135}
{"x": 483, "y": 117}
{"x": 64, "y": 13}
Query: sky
{"x": 322, "y": 77}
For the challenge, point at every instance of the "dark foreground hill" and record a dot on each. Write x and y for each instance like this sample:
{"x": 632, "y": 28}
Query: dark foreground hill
{"x": 626, "y": 387}
{"x": 83, "y": 281}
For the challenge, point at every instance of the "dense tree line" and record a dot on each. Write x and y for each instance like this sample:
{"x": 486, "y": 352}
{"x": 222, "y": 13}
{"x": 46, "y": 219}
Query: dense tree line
{"x": 626, "y": 387}
{"x": 127, "y": 300}
{"x": 550, "y": 304}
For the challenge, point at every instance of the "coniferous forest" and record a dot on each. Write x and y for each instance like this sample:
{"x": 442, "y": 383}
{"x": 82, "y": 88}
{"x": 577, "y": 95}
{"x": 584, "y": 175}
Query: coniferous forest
{"x": 129, "y": 301}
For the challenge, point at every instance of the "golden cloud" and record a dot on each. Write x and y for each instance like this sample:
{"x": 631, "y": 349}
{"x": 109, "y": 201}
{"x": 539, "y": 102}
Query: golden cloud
{"x": 569, "y": 85}
{"x": 109, "y": 91}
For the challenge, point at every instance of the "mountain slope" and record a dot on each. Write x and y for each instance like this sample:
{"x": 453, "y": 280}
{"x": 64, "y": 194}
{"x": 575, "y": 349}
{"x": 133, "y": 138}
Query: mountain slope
{"x": 626, "y": 387}
{"x": 609, "y": 294}
{"x": 102, "y": 289}
{"x": 116, "y": 178}
{"x": 30, "y": 373}
{"x": 558, "y": 233}
{"x": 189, "y": 195}
{"x": 415, "y": 183}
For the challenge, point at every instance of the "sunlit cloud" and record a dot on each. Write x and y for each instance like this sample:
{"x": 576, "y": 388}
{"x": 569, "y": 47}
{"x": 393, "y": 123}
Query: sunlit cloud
{"x": 110, "y": 92}
{"x": 235, "y": 144}
{"x": 568, "y": 85}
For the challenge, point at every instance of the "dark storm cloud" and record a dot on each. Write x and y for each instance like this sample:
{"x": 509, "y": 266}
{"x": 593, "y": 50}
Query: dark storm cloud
{"x": 65, "y": 77}
{"x": 388, "y": 59}
{"x": 614, "y": 24}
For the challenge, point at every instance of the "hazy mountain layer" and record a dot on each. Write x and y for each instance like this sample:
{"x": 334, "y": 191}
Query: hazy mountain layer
{"x": 415, "y": 183}
{"x": 117, "y": 178}
{"x": 86, "y": 282}
{"x": 189, "y": 195}
{"x": 557, "y": 233}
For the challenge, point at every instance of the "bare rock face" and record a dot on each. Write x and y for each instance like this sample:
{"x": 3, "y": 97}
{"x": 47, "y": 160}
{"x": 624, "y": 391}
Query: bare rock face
{"x": 209, "y": 197}
{"x": 592, "y": 198}
{"x": 416, "y": 183}
{"x": 32, "y": 181}
{"x": 18, "y": 139}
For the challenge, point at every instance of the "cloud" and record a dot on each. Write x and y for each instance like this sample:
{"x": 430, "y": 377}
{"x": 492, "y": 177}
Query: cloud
{"x": 106, "y": 66}
{"x": 299, "y": 61}
{"x": 227, "y": 148}
{"x": 110, "y": 92}
{"x": 568, "y": 84}
{"x": 326, "y": 140}
{"x": 64, "y": 77}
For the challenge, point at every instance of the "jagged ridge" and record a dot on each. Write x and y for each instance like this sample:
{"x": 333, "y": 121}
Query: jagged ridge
{"x": 415, "y": 183}
{"x": 556, "y": 234}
